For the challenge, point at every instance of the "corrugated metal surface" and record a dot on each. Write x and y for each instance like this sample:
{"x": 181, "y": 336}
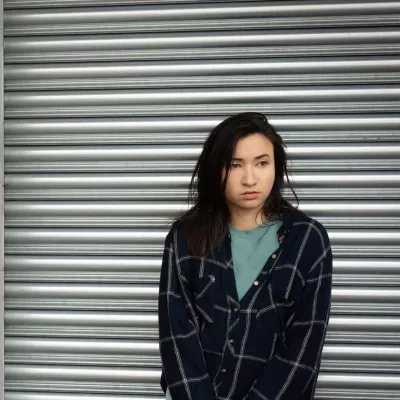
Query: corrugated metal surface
{"x": 107, "y": 105}
{"x": 2, "y": 205}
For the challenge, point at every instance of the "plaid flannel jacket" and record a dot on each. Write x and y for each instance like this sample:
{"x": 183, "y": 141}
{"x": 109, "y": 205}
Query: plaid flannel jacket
{"x": 266, "y": 346}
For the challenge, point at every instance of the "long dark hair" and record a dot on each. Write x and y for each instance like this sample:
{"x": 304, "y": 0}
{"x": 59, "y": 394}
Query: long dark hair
{"x": 206, "y": 222}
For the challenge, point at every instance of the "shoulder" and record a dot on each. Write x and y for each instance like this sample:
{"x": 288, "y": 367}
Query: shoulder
{"x": 302, "y": 222}
{"x": 312, "y": 233}
{"x": 309, "y": 244}
{"x": 177, "y": 236}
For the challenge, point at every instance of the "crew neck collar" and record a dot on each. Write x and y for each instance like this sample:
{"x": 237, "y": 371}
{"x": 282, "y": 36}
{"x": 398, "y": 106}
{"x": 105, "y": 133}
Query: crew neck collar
{"x": 244, "y": 231}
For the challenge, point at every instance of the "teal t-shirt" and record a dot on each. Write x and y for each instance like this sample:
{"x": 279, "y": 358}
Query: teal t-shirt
{"x": 250, "y": 251}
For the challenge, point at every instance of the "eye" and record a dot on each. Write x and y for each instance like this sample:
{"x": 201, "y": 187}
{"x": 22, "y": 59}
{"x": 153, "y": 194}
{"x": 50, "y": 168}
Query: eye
{"x": 235, "y": 165}
{"x": 263, "y": 163}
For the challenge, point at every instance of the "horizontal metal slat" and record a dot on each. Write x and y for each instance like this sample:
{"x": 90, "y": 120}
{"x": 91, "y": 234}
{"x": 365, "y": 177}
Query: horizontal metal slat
{"x": 364, "y": 381}
{"x": 70, "y": 241}
{"x": 200, "y": 11}
{"x": 326, "y": 394}
{"x": 210, "y": 109}
{"x": 366, "y": 272}
{"x": 129, "y": 181}
{"x": 310, "y": 193}
{"x": 149, "y": 222}
{"x": 15, "y": 4}
{"x": 202, "y": 46}
{"x": 360, "y": 301}
{"x": 78, "y": 297}
{"x": 135, "y": 325}
{"x": 144, "y": 237}
{"x": 164, "y": 159}
{"x": 114, "y": 181}
{"x": 90, "y": 324}
{"x": 367, "y": 329}
{"x": 203, "y": 40}
{"x": 96, "y": 352}
{"x": 347, "y": 272}
{"x": 189, "y": 18}
{"x": 327, "y": 164}
{"x": 15, "y": 29}
{"x": 230, "y": 52}
{"x": 195, "y": 101}
{"x": 303, "y": 152}
{"x": 360, "y": 358}
{"x": 119, "y": 209}
{"x": 194, "y": 130}
{"x": 126, "y": 380}
{"x": 233, "y": 69}
{"x": 225, "y": 73}
{"x": 87, "y": 269}
{"x": 330, "y": 222}
{"x": 356, "y": 394}
{"x": 82, "y": 379}
{"x": 132, "y": 382}
{"x": 26, "y": 395}
{"x": 154, "y": 250}
{"x": 196, "y": 96}
{"x": 283, "y": 7}
{"x": 383, "y": 78}
{"x": 145, "y": 353}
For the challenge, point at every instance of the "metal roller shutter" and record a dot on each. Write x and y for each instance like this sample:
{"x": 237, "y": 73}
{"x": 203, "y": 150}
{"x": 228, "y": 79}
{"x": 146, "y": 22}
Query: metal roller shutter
{"x": 107, "y": 105}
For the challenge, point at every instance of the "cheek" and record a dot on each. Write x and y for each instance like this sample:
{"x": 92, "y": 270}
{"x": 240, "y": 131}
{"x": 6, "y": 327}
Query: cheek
{"x": 230, "y": 187}
{"x": 269, "y": 178}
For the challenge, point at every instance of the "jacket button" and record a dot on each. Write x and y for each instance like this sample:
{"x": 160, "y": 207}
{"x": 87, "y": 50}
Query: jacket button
{"x": 230, "y": 341}
{"x": 223, "y": 370}
{"x": 273, "y": 256}
{"x": 256, "y": 283}
{"x": 236, "y": 309}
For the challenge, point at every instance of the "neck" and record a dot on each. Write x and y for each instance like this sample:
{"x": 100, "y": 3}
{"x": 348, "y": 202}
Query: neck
{"x": 246, "y": 220}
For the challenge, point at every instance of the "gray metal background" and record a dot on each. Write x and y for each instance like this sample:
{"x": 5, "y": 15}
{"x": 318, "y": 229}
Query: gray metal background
{"x": 1, "y": 205}
{"x": 107, "y": 105}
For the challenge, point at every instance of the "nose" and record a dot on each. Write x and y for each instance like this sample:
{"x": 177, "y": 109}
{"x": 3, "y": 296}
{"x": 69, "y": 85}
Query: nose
{"x": 248, "y": 177}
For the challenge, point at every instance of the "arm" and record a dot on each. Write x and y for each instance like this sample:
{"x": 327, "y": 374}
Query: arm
{"x": 292, "y": 372}
{"x": 182, "y": 357}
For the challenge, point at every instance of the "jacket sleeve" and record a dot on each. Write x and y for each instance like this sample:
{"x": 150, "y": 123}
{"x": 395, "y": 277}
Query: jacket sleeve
{"x": 184, "y": 368}
{"x": 293, "y": 370}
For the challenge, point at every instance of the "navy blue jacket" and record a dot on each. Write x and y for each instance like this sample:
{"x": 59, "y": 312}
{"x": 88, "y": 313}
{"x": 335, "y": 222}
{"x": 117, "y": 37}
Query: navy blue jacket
{"x": 266, "y": 346}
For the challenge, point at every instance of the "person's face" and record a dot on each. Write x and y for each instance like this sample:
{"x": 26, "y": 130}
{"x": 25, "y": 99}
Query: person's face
{"x": 252, "y": 174}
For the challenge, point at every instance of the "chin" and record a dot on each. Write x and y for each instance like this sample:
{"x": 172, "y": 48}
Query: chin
{"x": 248, "y": 204}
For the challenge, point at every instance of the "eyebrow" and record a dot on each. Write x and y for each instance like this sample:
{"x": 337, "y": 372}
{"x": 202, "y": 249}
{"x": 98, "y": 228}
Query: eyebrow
{"x": 256, "y": 158}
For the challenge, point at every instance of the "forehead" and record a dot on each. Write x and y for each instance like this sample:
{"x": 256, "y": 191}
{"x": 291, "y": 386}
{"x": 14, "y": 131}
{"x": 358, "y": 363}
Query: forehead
{"x": 253, "y": 144}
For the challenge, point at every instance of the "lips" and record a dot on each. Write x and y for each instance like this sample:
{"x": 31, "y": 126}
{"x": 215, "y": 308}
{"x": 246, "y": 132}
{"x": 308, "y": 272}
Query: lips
{"x": 250, "y": 195}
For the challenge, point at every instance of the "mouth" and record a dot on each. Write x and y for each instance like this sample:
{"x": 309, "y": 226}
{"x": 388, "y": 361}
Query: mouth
{"x": 250, "y": 195}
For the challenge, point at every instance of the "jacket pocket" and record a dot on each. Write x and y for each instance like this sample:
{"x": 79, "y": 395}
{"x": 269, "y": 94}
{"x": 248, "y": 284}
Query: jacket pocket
{"x": 287, "y": 284}
{"x": 205, "y": 297}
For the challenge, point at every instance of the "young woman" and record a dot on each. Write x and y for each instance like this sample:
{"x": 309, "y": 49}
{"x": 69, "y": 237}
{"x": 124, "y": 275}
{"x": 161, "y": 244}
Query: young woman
{"x": 245, "y": 285}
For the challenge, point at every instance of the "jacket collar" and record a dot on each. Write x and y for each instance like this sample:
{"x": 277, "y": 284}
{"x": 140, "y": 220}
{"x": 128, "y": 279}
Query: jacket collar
{"x": 289, "y": 219}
